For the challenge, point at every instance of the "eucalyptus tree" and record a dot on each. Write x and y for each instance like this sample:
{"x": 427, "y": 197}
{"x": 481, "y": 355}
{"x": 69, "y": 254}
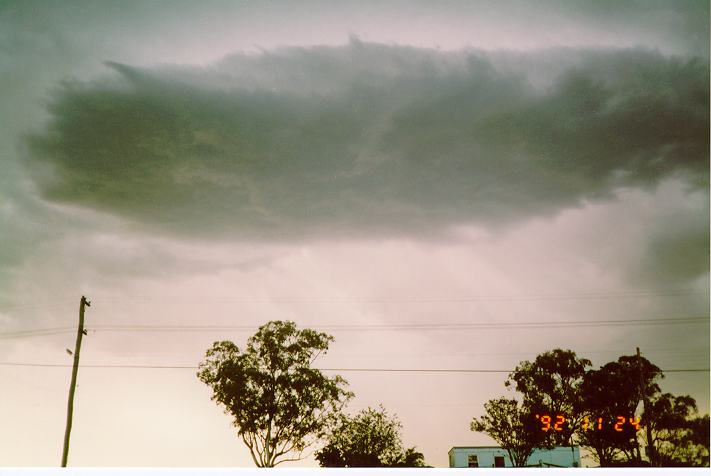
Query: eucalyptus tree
{"x": 371, "y": 438}
{"x": 551, "y": 384}
{"x": 514, "y": 427}
{"x": 279, "y": 403}
{"x": 613, "y": 392}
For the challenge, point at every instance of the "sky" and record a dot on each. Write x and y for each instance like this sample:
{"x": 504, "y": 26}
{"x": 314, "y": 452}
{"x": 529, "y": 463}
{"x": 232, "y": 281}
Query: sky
{"x": 439, "y": 185}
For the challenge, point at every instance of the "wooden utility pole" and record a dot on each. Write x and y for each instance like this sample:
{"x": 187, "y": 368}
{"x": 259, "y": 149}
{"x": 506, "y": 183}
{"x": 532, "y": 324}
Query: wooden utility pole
{"x": 651, "y": 454}
{"x": 81, "y": 332}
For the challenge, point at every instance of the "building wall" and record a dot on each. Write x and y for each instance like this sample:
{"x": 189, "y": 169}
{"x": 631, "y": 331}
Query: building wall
{"x": 559, "y": 456}
{"x": 485, "y": 456}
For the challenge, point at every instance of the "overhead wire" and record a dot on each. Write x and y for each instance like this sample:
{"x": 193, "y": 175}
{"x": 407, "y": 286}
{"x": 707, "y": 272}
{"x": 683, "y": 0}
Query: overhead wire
{"x": 371, "y": 327}
{"x": 340, "y": 369}
{"x": 385, "y": 327}
{"x": 426, "y": 326}
{"x": 405, "y": 299}
{"x": 369, "y": 300}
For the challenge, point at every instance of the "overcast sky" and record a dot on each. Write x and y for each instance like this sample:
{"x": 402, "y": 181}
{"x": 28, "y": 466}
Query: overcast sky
{"x": 507, "y": 163}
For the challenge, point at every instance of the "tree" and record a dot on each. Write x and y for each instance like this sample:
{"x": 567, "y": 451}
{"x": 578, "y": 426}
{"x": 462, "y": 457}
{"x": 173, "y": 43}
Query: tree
{"x": 697, "y": 452}
{"x": 551, "y": 385}
{"x": 279, "y": 403}
{"x": 615, "y": 389}
{"x": 369, "y": 439}
{"x": 513, "y": 427}
{"x": 679, "y": 437}
{"x": 412, "y": 459}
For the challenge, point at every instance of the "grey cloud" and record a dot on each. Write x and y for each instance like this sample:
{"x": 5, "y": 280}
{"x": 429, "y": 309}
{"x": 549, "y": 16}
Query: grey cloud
{"x": 368, "y": 139}
{"x": 682, "y": 25}
{"x": 677, "y": 251}
{"x": 25, "y": 225}
{"x": 679, "y": 257}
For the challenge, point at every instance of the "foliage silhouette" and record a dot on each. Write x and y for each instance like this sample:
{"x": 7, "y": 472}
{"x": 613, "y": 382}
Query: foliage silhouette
{"x": 279, "y": 403}
{"x": 617, "y": 388}
{"x": 513, "y": 426}
{"x": 551, "y": 384}
{"x": 680, "y": 437}
{"x": 671, "y": 431}
{"x": 369, "y": 439}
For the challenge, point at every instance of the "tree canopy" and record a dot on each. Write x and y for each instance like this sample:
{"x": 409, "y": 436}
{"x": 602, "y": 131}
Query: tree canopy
{"x": 599, "y": 409}
{"x": 551, "y": 384}
{"x": 371, "y": 438}
{"x": 512, "y": 426}
{"x": 279, "y": 403}
{"x": 616, "y": 388}
{"x": 679, "y": 436}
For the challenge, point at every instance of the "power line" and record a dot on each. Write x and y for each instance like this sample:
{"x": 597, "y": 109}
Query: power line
{"x": 35, "y": 332}
{"x": 344, "y": 369}
{"x": 410, "y": 326}
{"x": 35, "y": 304}
{"x": 407, "y": 299}
{"x": 374, "y": 327}
{"x": 100, "y": 366}
{"x": 364, "y": 299}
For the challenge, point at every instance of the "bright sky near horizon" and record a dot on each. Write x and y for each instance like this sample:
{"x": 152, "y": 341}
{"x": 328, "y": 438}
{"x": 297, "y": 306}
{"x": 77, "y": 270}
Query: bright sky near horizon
{"x": 440, "y": 185}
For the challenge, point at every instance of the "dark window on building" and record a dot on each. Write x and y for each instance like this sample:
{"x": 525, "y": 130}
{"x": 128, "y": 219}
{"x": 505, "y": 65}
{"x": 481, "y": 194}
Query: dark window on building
{"x": 473, "y": 461}
{"x": 499, "y": 462}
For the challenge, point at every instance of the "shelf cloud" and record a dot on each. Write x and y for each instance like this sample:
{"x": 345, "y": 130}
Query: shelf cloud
{"x": 370, "y": 139}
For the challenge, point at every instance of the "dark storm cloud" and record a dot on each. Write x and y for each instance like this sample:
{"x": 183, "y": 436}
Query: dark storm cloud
{"x": 370, "y": 139}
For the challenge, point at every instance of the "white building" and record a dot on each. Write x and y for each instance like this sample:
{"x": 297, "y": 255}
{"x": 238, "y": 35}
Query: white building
{"x": 496, "y": 457}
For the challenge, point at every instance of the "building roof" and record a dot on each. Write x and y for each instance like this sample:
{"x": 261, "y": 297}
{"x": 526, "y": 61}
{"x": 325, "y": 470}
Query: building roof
{"x": 500, "y": 448}
{"x": 469, "y": 447}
